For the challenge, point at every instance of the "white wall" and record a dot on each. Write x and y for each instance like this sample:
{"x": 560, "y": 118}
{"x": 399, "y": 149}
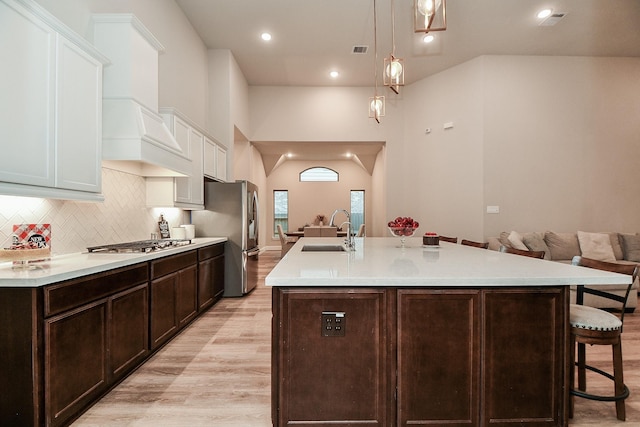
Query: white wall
{"x": 335, "y": 114}
{"x": 309, "y": 199}
{"x": 446, "y": 166}
{"x": 561, "y": 143}
{"x": 553, "y": 141}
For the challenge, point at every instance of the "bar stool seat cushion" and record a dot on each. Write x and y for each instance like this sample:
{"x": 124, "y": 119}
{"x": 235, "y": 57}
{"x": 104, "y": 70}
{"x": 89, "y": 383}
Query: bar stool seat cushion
{"x": 585, "y": 317}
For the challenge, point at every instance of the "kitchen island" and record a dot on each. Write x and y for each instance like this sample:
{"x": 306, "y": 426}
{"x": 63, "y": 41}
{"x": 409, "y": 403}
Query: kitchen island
{"x": 453, "y": 335}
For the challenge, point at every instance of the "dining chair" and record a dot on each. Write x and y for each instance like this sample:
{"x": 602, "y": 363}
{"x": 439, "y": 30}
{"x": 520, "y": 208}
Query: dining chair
{"x": 532, "y": 254}
{"x": 448, "y": 239}
{"x": 594, "y": 326}
{"x": 286, "y": 242}
{"x": 360, "y": 232}
{"x": 481, "y": 245}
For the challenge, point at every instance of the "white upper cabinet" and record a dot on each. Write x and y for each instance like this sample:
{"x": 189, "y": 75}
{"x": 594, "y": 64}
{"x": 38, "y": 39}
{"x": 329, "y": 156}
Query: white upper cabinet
{"x": 221, "y": 161}
{"x": 215, "y": 160}
{"x": 183, "y": 192}
{"x": 51, "y": 107}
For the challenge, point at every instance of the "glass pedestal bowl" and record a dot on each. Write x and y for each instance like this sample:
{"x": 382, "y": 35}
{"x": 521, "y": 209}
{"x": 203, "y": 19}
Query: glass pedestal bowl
{"x": 402, "y": 233}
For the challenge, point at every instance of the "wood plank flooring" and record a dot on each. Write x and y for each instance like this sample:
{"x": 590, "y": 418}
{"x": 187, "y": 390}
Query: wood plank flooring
{"x": 217, "y": 373}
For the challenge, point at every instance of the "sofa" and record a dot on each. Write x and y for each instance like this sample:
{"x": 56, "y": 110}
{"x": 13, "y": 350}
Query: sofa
{"x": 562, "y": 247}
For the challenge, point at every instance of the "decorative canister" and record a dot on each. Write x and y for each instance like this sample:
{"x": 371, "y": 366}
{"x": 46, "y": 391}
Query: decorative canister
{"x": 430, "y": 239}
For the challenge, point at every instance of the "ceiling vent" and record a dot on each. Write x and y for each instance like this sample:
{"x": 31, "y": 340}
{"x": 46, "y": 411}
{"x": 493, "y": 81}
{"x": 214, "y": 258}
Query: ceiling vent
{"x": 552, "y": 19}
{"x": 358, "y": 50}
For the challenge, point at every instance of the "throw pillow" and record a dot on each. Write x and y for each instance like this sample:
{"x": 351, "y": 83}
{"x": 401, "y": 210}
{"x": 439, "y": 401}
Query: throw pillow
{"x": 516, "y": 241}
{"x": 563, "y": 246}
{"x": 631, "y": 247}
{"x": 535, "y": 242}
{"x": 504, "y": 239}
{"x": 615, "y": 244}
{"x": 596, "y": 246}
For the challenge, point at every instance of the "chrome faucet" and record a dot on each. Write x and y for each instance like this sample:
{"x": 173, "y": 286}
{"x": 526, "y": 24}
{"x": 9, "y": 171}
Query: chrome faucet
{"x": 333, "y": 216}
{"x": 349, "y": 243}
{"x": 349, "y": 240}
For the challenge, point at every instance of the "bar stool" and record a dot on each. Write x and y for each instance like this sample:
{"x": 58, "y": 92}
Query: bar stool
{"x": 532, "y": 254}
{"x": 594, "y": 326}
{"x": 449, "y": 239}
{"x": 481, "y": 245}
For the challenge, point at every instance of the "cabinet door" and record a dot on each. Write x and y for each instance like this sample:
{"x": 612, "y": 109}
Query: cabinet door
{"x": 27, "y": 102}
{"x": 221, "y": 164}
{"x": 163, "y": 309}
{"x": 79, "y": 124}
{"x": 336, "y": 380}
{"x": 210, "y": 281}
{"x": 75, "y": 363}
{"x": 438, "y": 357}
{"x": 191, "y": 189}
{"x": 210, "y": 158}
{"x": 187, "y": 295}
{"x": 128, "y": 330}
{"x": 525, "y": 348}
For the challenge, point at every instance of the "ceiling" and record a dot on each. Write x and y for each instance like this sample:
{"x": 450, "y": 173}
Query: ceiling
{"x": 313, "y": 37}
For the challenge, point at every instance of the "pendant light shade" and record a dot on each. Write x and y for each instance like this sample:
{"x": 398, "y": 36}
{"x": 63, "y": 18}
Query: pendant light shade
{"x": 376, "y": 107}
{"x": 393, "y": 66}
{"x": 376, "y": 103}
{"x": 429, "y": 15}
{"x": 393, "y": 73}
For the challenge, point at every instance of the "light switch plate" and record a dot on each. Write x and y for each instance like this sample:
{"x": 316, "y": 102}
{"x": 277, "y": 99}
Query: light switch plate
{"x": 493, "y": 209}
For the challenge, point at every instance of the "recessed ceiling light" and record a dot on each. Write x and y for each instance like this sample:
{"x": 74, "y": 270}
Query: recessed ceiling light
{"x": 265, "y": 36}
{"x": 289, "y": 155}
{"x": 334, "y": 74}
{"x": 348, "y": 155}
{"x": 428, "y": 38}
{"x": 544, "y": 13}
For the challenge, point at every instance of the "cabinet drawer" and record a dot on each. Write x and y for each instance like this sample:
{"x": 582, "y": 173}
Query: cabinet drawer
{"x": 164, "y": 266}
{"x": 76, "y": 292}
{"x": 210, "y": 251}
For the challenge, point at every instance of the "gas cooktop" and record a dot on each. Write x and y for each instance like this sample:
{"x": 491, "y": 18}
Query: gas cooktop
{"x": 140, "y": 246}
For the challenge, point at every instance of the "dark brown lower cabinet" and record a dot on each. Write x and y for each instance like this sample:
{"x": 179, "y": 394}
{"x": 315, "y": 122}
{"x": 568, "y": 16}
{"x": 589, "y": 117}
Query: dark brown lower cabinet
{"x": 210, "y": 275}
{"x": 65, "y": 344}
{"x": 454, "y": 357}
{"x": 337, "y": 380}
{"x": 438, "y": 357}
{"x": 95, "y": 330}
{"x": 75, "y": 360}
{"x": 174, "y": 295}
{"x": 128, "y": 330}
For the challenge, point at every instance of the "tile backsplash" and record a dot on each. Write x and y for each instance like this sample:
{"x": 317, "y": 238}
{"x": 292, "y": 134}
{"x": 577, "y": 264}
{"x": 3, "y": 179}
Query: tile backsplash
{"x": 122, "y": 217}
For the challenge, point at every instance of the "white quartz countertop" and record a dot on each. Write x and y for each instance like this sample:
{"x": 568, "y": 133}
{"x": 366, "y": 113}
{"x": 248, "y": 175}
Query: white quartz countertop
{"x": 379, "y": 261}
{"x": 70, "y": 266}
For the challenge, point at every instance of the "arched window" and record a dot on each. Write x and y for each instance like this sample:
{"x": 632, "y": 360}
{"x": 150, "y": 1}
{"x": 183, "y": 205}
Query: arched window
{"x": 318, "y": 174}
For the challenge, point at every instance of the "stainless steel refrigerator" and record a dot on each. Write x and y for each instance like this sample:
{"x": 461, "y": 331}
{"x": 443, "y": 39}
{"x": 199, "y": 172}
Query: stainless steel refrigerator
{"x": 231, "y": 210}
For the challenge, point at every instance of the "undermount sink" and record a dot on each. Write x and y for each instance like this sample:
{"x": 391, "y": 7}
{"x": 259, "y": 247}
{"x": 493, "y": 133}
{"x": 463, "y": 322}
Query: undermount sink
{"x": 323, "y": 248}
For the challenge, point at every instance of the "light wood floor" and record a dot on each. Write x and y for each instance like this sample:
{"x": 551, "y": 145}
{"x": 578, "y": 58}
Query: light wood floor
{"x": 216, "y": 373}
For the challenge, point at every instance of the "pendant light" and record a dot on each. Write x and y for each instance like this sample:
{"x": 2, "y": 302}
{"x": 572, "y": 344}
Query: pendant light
{"x": 376, "y": 103}
{"x": 429, "y": 15}
{"x": 393, "y": 67}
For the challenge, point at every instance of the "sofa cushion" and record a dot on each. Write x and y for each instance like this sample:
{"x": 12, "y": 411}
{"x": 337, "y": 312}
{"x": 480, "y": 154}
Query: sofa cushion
{"x": 616, "y": 245}
{"x": 515, "y": 239}
{"x": 535, "y": 242}
{"x": 630, "y": 247}
{"x": 504, "y": 239}
{"x": 596, "y": 246}
{"x": 562, "y": 245}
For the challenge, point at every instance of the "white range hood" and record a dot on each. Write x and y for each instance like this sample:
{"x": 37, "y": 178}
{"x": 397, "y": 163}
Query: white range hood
{"x": 135, "y": 138}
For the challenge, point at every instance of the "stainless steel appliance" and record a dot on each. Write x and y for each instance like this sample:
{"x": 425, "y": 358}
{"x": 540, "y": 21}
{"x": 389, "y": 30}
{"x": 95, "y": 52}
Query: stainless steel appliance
{"x": 231, "y": 210}
{"x": 140, "y": 246}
